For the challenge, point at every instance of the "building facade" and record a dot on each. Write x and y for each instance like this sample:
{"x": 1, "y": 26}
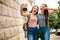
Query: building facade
{"x": 11, "y": 22}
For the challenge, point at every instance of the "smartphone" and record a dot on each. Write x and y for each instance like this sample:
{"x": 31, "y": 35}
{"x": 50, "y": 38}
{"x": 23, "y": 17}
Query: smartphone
{"x": 24, "y": 10}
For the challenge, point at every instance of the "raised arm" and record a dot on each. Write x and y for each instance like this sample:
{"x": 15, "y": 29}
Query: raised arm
{"x": 53, "y": 10}
{"x": 25, "y": 14}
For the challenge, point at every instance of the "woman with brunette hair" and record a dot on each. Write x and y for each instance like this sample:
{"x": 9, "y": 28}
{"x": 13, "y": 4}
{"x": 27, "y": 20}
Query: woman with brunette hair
{"x": 32, "y": 23}
{"x": 43, "y": 21}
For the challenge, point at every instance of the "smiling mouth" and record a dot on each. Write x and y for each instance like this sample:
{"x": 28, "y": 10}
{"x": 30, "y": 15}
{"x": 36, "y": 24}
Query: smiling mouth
{"x": 34, "y": 11}
{"x": 41, "y": 9}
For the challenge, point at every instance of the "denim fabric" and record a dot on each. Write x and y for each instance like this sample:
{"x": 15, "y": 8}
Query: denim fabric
{"x": 46, "y": 33}
{"x": 32, "y": 33}
{"x": 43, "y": 27}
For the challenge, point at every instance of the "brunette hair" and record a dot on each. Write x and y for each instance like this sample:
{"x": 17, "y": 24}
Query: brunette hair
{"x": 46, "y": 15}
{"x": 32, "y": 10}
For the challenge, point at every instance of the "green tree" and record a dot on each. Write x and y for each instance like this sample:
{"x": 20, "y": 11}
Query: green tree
{"x": 58, "y": 13}
{"x": 55, "y": 18}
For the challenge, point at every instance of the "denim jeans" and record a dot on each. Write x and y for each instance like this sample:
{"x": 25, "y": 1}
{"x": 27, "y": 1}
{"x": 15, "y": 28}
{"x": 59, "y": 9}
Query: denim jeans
{"x": 32, "y": 33}
{"x": 46, "y": 33}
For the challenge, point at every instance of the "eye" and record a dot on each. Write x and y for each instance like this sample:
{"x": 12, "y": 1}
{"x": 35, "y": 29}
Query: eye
{"x": 36, "y": 9}
{"x": 43, "y": 6}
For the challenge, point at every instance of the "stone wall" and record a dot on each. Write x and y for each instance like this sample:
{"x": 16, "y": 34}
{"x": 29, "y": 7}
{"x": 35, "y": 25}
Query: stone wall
{"x": 10, "y": 21}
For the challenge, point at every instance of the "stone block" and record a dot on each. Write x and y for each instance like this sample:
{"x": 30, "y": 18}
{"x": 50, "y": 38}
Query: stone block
{"x": 18, "y": 37}
{"x": 16, "y": 14}
{"x": 12, "y": 38}
{"x": 7, "y": 2}
{"x": 18, "y": 7}
{"x": 14, "y": 31}
{"x": 1, "y": 34}
{"x": 2, "y": 1}
{"x": 4, "y": 10}
{"x": 10, "y": 12}
{"x": 3, "y": 22}
{"x": 7, "y": 32}
{"x": 20, "y": 28}
{"x": 13, "y": 22}
{"x": 9, "y": 22}
{"x": 22, "y": 36}
{"x": 12, "y": 4}
{"x": 11, "y": 31}
{"x": 0, "y": 8}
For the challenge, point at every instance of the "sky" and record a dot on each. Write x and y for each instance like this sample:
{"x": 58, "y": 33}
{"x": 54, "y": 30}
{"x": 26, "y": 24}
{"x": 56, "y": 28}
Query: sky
{"x": 50, "y": 3}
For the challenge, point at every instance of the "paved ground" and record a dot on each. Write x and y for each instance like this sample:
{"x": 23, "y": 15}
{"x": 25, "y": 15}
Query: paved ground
{"x": 52, "y": 37}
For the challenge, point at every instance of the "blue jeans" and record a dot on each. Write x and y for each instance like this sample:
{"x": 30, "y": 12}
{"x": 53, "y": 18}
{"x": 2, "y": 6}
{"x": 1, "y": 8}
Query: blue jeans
{"x": 32, "y": 33}
{"x": 46, "y": 33}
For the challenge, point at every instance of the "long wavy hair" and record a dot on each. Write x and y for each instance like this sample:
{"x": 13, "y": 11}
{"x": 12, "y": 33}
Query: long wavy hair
{"x": 46, "y": 15}
{"x": 37, "y": 9}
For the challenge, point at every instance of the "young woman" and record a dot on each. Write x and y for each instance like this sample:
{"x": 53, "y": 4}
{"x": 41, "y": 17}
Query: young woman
{"x": 32, "y": 23}
{"x": 43, "y": 21}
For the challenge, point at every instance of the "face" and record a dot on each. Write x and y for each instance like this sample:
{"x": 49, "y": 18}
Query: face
{"x": 42, "y": 8}
{"x": 35, "y": 9}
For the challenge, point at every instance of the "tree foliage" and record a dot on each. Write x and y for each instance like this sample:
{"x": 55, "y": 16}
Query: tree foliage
{"x": 55, "y": 18}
